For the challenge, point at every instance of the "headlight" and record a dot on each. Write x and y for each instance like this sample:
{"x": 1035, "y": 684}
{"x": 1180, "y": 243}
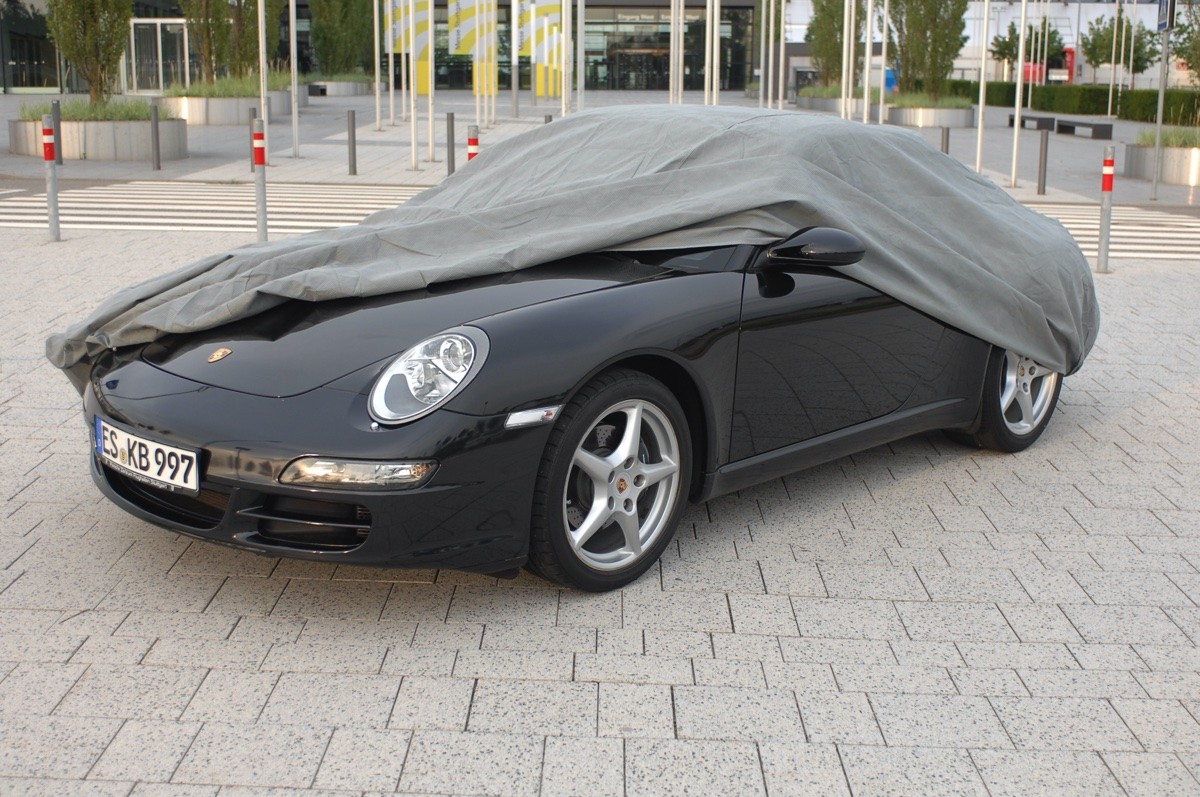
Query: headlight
{"x": 427, "y": 375}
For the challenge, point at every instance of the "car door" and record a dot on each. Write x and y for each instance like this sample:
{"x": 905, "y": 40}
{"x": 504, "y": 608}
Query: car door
{"x": 818, "y": 353}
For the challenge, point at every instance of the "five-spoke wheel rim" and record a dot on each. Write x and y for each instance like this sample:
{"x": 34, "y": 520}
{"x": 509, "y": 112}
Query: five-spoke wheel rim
{"x": 622, "y": 485}
{"x": 1027, "y": 393}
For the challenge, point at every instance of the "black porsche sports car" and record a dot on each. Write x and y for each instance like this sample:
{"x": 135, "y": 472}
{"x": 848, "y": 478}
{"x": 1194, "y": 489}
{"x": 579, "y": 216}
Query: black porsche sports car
{"x": 558, "y": 417}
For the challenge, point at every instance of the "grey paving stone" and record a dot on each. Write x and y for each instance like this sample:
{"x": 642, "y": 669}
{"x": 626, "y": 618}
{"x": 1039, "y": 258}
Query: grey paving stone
{"x": 973, "y": 584}
{"x": 53, "y": 747}
{"x": 893, "y": 678}
{"x": 184, "y": 625}
{"x": 926, "y": 654}
{"x": 1160, "y": 725}
{"x": 36, "y": 688}
{"x": 134, "y": 692}
{"x": 227, "y": 696}
{"x": 563, "y": 639}
{"x": 669, "y": 766}
{"x": 798, "y": 770}
{"x": 534, "y": 707}
{"x": 549, "y": 666}
{"x": 1130, "y": 624}
{"x": 1023, "y": 772}
{"x": 485, "y": 764}
{"x": 234, "y": 755}
{"x": 415, "y": 661}
{"x": 145, "y": 751}
{"x": 1151, "y": 774}
{"x": 975, "y": 622}
{"x": 358, "y": 632}
{"x": 834, "y": 651}
{"x": 311, "y": 699}
{"x": 715, "y": 712}
{"x": 448, "y": 636}
{"x": 1169, "y": 657}
{"x": 909, "y": 770}
{"x": 713, "y": 672}
{"x": 32, "y": 787}
{"x": 1166, "y": 685}
{"x": 361, "y": 759}
{"x": 867, "y": 582}
{"x": 1131, "y": 589}
{"x": 474, "y": 604}
{"x": 633, "y": 669}
{"x": 763, "y": 614}
{"x": 219, "y": 653}
{"x": 988, "y": 683}
{"x": 788, "y": 577}
{"x": 1081, "y": 683}
{"x": 41, "y": 647}
{"x": 838, "y": 718}
{"x": 583, "y": 767}
{"x": 57, "y": 590}
{"x": 243, "y": 596}
{"x": 1032, "y": 655}
{"x": 799, "y": 675}
{"x": 687, "y": 644}
{"x": 432, "y": 703}
{"x": 636, "y": 710}
{"x": 938, "y": 721}
{"x": 274, "y": 630}
{"x": 666, "y": 611}
{"x": 847, "y": 619}
{"x": 408, "y": 603}
{"x": 1052, "y": 586}
{"x": 204, "y": 559}
{"x": 590, "y": 610}
{"x": 341, "y": 599}
{"x": 621, "y": 641}
{"x": 1039, "y": 623}
{"x": 331, "y": 658}
{"x": 112, "y": 650}
{"x": 1063, "y": 724}
{"x": 706, "y": 575}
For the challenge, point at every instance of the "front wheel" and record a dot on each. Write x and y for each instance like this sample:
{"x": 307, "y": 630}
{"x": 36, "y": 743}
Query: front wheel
{"x": 1019, "y": 397}
{"x": 612, "y": 483}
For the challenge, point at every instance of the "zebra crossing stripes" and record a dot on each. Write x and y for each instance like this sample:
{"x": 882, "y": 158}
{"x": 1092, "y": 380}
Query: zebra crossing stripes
{"x": 1136, "y": 232}
{"x": 208, "y": 207}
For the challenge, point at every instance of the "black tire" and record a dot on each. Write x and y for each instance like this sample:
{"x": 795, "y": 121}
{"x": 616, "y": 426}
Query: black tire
{"x": 616, "y": 498}
{"x": 1007, "y": 422}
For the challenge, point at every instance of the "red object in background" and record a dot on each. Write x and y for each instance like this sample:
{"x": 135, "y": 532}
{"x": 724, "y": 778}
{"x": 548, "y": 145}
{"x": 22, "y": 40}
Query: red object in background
{"x": 1069, "y": 63}
{"x": 1106, "y": 175}
{"x": 1034, "y": 72}
{"x": 260, "y": 148}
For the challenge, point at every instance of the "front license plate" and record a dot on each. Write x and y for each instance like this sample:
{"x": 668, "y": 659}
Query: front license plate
{"x": 147, "y": 460}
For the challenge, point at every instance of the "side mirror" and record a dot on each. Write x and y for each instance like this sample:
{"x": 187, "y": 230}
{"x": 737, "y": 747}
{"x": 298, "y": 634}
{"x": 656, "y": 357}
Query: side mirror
{"x": 817, "y": 246}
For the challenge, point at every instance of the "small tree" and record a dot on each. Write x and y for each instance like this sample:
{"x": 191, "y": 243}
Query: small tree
{"x": 824, "y": 37}
{"x": 341, "y": 34}
{"x": 1004, "y": 48}
{"x": 208, "y": 33}
{"x": 243, "y": 34}
{"x": 1185, "y": 38}
{"x": 1096, "y": 44}
{"x": 929, "y": 36}
{"x": 91, "y": 35}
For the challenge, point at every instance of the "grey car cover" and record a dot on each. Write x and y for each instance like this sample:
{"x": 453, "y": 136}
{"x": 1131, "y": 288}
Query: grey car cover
{"x": 938, "y": 237}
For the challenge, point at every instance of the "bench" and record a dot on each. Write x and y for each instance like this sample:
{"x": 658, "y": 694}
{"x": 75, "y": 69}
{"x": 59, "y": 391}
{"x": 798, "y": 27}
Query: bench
{"x": 1039, "y": 122}
{"x": 1099, "y": 130}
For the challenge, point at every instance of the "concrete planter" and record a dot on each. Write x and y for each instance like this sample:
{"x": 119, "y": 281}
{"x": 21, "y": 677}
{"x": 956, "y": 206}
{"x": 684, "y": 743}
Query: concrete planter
{"x": 932, "y": 117}
{"x": 225, "y": 110}
{"x": 338, "y": 88}
{"x": 103, "y": 141}
{"x": 833, "y": 105}
{"x": 1179, "y": 165}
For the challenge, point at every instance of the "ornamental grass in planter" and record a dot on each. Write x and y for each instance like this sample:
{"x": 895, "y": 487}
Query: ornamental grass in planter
{"x": 115, "y": 130}
{"x": 1180, "y": 162}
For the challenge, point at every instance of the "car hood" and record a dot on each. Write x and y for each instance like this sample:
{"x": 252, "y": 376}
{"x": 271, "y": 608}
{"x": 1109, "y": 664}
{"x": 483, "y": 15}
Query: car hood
{"x": 300, "y": 346}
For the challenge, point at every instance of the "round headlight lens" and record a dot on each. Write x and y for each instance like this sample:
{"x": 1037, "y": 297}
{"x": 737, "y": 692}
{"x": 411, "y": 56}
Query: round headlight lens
{"x": 427, "y": 375}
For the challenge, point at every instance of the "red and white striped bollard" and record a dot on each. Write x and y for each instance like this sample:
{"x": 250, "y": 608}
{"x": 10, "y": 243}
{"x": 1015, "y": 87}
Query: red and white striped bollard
{"x": 1106, "y": 187}
{"x": 48, "y": 154}
{"x": 259, "y": 140}
{"x": 472, "y": 141}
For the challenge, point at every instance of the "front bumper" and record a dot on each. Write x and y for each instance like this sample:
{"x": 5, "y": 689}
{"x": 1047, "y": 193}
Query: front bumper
{"x": 473, "y": 514}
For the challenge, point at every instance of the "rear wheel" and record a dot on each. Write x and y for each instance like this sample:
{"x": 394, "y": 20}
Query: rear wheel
{"x": 612, "y": 483}
{"x": 1019, "y": 397}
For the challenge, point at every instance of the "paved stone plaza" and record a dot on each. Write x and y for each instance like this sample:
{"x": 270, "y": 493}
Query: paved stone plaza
{"x": 919, "y": 619}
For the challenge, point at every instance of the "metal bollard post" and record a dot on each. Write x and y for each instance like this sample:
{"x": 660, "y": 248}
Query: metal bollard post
{"x": 253, "y": 116}
{"x": 260, "y": 178}
{"x": 449, "y": 144}
{"x": 1043, "y": 148}
{"x": 351, "y": 143}
{"x": 56, "y": 112}
{"x": 49, "y": 152}
{"x": 945, "y": 141}
{"x": 1106, "y": 186}
{"x": 155, "y": 149}
{"x": 472, "y": 141}
{"x": 549, "y": 118}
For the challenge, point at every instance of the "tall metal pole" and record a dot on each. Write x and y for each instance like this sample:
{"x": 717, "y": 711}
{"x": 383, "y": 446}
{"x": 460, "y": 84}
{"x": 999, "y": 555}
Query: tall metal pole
{"x": 1112, "y": 61}
{"x": 514, "y": 46}
{"x": 1020, "y": 84}
{"x": 1162, "y": 88}
{"x": 983, "y": 54}
{"x": 867, "y": 54}
{"x": 429, "y": 39}
{"x": 852, "y": 35}
{"x": 887, "y": 21}
{"x": 716, "y": 34}
{"x": 708, "y": 21}
{"x": 846, "y": 50}
{"x": 391, "y": 62}
{"x": 412, "y": 86}
{"x": 295, "y": 78}
{"x": 1106, "y": 186}
{"x": 580, "y": 55}
{"x": 783, "y": 67}
{"x": 264, "y": 106}
{"x": 762, "y": 53}
{"x": 378, "y": 80}
{"x": 771, "y": 52}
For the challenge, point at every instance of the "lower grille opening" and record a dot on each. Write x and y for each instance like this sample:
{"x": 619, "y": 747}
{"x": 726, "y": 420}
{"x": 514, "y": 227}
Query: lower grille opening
{"x": 203, "y": 511}
{"x": 304, "y": 523}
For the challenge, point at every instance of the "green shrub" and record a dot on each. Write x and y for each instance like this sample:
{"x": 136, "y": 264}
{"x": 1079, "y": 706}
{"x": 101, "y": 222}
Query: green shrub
{"x": 354, "y": 77}
{"x": 80, "y": 110}
{"x": 1171, "y": 137}
{"x": 997, "y": 93}
{"x": 230, "y": 86}
{"x": 924, "y": 101}
{"x": 1086, "y": 100}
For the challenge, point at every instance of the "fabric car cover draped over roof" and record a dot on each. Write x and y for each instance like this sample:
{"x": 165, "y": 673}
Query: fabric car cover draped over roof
{"x": 938, "y": 237}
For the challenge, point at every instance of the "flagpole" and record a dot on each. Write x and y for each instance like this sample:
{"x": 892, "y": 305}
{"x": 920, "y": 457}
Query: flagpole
{"x": 1020, "y": 84}
{"x": 429, "y": 39}
{"x": 391, "y": 59}
{"x": 514, "y": 47}
{"x": 412, "y": 71}
{"x": 378, "y": 79}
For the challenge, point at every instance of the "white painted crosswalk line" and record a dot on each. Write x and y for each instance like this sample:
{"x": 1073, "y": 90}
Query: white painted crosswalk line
{"x": 208, "y": 207}
{"x": 1136, "y": 232}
